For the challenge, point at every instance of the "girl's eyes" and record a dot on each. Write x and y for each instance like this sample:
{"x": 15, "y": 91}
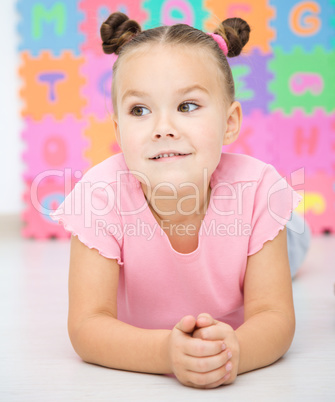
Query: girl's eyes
{"x": 184, "y": 108}
{"x": 139, "y": 111}
{"x": 187, "y": 107}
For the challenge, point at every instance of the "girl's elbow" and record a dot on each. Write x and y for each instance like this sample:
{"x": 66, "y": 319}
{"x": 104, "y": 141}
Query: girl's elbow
{"x": 288, "y": 333}
{"x": 77, "y": 338}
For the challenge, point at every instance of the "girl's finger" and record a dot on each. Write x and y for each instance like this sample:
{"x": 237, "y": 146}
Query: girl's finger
{"x": 209, "y": 379}
{"x": 220, "y": 331}
{"x": 186, "y": 324}
{"x": 200, "y": 348}
{"x": 212, "y": 333}
{"x": 205, "y": 320}
{"x": 207, "y": 364}
{"x": 221, "y": 381}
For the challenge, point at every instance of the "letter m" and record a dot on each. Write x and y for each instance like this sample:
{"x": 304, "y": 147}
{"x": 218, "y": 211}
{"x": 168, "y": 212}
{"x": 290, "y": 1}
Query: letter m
{"x": 55, "y": 15}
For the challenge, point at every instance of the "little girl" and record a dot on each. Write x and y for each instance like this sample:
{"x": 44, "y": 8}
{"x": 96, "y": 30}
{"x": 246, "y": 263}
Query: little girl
{"x": 179, "y": 260}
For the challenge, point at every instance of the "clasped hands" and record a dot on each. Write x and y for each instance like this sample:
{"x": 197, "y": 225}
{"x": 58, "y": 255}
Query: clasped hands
{"x": 203, "y": 352}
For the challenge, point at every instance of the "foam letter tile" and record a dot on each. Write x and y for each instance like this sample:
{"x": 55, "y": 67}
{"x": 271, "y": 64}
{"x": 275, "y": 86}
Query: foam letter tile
{"x": 254, "y": 139}
{"x": 319, "y": 203}
{"x": 49, "y": 24}
{"x": 303, "y": 23}
{"x": 256, "y": 13}
{"x": 302, "y": 80}
{"x": 103, "y": 140}
{"x": 304, "y": 141}
{"x": 170, "y": 12}
{"x": 97, "y": 11}
{"x": 251, "y": 76}
{"x": 53, "y": 144}
{"x": 51, "y": 85}
{"x": 331, "y": 34}
{"x": 98, "y": 88}
{"x": 42, "y": 196}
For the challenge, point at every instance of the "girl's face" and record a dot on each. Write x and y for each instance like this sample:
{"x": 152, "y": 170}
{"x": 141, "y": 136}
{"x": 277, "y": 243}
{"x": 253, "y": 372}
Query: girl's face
{"x": 171, "y": 101}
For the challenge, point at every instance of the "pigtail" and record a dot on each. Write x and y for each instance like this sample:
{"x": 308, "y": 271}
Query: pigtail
{"x": 116, "y": 31}
{"x": 235, "y": 32}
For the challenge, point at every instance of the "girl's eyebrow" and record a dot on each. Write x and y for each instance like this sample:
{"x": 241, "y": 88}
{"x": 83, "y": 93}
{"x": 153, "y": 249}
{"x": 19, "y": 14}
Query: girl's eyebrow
{"x": 182, "y": 91}
{"x": 132, "y": 92}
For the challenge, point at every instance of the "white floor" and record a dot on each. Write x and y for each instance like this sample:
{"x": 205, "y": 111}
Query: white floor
{"x": 37, "y": 362}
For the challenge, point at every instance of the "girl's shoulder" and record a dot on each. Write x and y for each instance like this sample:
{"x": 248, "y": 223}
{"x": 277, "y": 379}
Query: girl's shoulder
{"x": 234, "y": 168}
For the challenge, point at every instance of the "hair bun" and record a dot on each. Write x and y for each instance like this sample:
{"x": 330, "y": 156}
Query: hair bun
{"x": 236, "y": 33}
{"x": 116, "y": 31}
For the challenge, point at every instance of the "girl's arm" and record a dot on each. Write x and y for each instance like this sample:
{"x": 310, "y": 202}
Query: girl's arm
{"x": 269, "y": 324}
{"x": 95, "y": 333}
{"x": 100, "y": 338}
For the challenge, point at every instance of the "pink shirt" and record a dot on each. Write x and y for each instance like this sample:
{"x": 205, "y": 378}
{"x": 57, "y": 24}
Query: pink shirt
{"x": 107, "y": 210}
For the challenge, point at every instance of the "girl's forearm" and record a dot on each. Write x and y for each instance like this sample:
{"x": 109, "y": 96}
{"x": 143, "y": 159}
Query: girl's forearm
{"x": 108, "y": 342}
{"x": 263, "y": 339}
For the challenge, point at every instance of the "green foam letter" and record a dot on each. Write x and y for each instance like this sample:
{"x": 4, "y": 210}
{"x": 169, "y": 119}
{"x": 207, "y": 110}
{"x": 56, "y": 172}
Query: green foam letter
{"x": 56, "y": 14}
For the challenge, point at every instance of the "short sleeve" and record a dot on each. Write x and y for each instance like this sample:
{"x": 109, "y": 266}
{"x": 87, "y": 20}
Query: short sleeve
{"x": 274, "y": 202}
{"x": 90, "y": 212}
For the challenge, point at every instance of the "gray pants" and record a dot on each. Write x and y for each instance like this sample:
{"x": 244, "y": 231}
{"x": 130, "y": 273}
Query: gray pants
{"x": 298, "y": 241}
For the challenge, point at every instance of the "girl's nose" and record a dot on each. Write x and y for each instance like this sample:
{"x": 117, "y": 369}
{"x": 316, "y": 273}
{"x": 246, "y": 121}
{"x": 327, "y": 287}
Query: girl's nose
{"x": 158, "y": 136}
{"x": 164, "y": 128}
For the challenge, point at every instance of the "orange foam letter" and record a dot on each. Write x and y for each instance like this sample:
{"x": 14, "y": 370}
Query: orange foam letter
{"x": 305, "y": 25}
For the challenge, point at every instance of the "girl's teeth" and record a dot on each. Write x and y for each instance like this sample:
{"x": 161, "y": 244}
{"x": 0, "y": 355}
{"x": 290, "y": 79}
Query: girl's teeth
{"x": 165, "y": 155}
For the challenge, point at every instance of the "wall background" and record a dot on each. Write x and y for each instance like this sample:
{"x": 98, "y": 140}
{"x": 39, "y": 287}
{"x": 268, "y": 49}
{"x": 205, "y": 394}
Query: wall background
{"x": 285, "y": 82}
{"x": 11, "y": 124}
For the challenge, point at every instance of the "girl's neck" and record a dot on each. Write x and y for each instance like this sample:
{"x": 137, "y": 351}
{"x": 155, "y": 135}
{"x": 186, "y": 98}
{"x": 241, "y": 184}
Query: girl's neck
{"x": 178, "y": 207}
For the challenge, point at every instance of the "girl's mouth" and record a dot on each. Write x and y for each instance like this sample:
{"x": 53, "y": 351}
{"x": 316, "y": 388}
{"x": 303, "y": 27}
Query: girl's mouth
{"x": 171, "y": 155}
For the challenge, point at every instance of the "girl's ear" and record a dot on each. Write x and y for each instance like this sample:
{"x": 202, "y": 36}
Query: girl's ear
{"x": 117, "y": 130}
{"x": 234, "y": 120}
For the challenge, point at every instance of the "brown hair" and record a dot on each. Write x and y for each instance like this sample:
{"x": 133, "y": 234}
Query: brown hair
{"x": 120, "y": 35}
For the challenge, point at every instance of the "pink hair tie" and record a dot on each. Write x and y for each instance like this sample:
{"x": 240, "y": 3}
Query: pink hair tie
{"x": 220, "y": 41}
